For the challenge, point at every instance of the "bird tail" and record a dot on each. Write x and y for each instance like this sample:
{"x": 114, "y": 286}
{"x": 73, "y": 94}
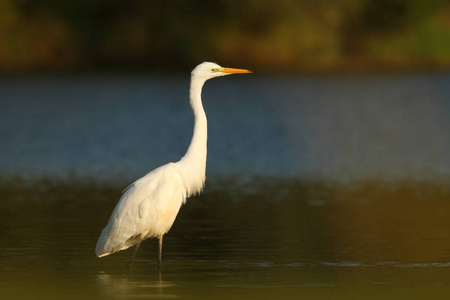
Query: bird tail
{"x": 106, "y": 245}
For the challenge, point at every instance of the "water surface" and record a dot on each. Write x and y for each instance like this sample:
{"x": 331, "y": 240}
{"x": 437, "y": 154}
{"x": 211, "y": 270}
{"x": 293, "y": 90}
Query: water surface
{"x": 286, "y": 240}
{"x": 317, "y": 188}
{"x": 120, "y": 127}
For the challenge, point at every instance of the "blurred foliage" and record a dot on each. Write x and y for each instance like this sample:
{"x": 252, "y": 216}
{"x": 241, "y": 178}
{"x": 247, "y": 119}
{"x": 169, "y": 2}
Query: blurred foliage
{"x": 282, "y": 35}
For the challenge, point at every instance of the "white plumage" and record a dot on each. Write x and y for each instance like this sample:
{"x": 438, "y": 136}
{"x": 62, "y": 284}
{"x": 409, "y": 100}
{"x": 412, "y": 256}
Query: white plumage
{"x": 147, "y": 209}
{"x": 149, "y": 206}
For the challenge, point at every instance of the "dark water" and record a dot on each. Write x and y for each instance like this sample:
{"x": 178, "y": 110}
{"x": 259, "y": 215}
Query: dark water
{"x": 318, "y": 188}
{"x": 267, "y": 240}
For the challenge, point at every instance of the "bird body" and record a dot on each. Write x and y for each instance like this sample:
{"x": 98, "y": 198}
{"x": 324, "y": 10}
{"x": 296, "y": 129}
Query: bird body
{"x": 149, "y": 206}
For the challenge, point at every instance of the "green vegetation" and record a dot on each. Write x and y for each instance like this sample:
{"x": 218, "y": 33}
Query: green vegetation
{"x": 282, "y": 35}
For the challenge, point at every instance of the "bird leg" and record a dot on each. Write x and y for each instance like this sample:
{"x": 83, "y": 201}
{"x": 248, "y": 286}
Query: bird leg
{"x": 160, "y": 252}
{"x": 136, "y": 248}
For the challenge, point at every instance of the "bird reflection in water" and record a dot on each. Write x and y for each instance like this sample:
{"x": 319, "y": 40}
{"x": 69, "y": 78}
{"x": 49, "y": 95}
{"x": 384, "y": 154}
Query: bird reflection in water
{"x": 124, "y": 286}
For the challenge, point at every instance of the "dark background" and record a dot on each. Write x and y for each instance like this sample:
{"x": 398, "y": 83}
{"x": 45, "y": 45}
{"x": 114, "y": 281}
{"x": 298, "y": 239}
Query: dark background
{"x": 272, "y": 36}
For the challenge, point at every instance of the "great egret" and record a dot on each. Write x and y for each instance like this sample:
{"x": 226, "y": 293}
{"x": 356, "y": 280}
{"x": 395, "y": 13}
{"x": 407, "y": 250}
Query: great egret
{"x": 149, "y": 206}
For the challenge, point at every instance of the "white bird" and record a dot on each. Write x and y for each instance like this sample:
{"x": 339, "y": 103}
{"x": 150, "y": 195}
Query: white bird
{"x": 149, "y": 206}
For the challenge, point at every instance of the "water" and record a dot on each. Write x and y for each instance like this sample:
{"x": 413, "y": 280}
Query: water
{"x": 282, "y": 239}
{"x": 318, "y": 188}
{"x": 119, "y": 128}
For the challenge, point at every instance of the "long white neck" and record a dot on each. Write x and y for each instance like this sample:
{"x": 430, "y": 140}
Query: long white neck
{"x": 193, "y": 163}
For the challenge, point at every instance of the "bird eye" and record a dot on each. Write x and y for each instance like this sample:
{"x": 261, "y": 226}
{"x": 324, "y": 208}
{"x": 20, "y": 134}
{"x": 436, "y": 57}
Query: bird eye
{"x": 214, "y": 70}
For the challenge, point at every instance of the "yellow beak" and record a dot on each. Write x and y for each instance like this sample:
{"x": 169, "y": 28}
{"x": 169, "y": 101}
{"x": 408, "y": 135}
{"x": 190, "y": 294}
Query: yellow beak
{"x": 234, "y": 71}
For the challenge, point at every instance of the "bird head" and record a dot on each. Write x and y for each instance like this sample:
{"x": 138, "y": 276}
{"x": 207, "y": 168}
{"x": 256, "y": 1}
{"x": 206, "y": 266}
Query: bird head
{"x": 208, "y": 70}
